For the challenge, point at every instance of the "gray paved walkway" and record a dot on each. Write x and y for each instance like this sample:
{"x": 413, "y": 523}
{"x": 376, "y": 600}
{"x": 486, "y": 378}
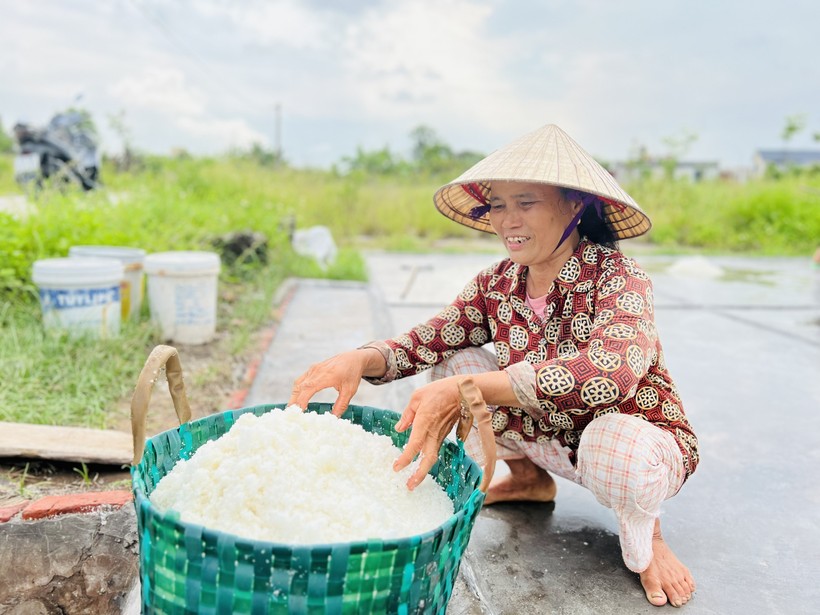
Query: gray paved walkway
{"x": 741, "y": 338}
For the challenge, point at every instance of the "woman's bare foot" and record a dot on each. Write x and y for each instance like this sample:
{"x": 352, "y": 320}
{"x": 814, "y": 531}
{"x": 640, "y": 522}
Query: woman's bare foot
{"x": 666, "y": 578}
{"x": 526, "y": 482}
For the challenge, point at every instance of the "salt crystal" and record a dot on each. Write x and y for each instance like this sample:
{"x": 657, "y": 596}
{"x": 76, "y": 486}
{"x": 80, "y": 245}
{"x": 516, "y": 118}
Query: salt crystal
{"x": 301, "y": 478}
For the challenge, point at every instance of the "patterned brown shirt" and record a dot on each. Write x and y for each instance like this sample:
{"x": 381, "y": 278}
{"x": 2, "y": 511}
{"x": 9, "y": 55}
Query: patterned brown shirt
{"x": 596, "y": 349}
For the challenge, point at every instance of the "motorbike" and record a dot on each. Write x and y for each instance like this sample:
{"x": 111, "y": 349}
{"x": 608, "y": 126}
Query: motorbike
{"x": 63, "y": 153}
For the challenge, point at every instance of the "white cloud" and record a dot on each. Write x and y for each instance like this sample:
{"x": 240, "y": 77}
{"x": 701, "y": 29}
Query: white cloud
{"x": 222, "y": 134}
{"x": 400, "y": 56}
{"x": 445, "y": 63}
{"x": 265, "y": 23}
{"x": 181, "y": 105}
{"x": 365, "y": 72}
{"x": 159, "y": 89}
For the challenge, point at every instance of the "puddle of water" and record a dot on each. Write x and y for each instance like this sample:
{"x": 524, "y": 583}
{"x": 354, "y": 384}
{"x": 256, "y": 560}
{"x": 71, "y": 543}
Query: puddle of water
{"x": 752, "y": 276}
{"x": 698, "y": 268}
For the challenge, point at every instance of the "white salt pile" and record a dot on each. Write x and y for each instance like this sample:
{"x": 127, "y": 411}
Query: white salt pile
{"x": 301, "y": 478}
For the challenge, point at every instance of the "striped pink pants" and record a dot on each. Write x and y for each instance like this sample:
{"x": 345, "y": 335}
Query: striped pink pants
{"x": 630, "y": 465}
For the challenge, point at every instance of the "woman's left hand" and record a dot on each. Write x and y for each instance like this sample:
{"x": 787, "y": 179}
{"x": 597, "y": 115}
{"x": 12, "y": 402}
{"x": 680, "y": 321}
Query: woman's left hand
{"x": 433, "y": 411}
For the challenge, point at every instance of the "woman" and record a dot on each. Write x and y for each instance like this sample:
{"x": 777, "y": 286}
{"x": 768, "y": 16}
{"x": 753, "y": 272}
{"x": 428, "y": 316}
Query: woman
{"x": 578, "y": 380}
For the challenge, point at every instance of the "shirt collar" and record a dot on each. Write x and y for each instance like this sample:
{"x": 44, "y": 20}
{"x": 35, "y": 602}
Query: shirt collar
{"x": 566, "y": 272}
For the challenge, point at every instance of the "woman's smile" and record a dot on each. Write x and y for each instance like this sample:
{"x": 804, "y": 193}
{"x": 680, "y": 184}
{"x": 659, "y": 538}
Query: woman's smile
{"x": 516, "y": 242}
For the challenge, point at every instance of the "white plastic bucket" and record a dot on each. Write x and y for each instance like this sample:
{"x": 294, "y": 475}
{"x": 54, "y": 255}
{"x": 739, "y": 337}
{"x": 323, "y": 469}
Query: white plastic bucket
{"x": 182, "y": 294}
{"x": 80, "y": 295}
{"x": 131, "y": 290}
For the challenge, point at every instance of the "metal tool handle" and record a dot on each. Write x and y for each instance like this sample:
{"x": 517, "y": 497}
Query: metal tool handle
{"x": 161, "y": 356}
{"x": 473, "y": 408}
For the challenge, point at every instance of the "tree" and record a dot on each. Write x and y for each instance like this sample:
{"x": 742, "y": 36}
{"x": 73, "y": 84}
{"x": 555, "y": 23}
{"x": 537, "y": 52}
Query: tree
{"x": 127, "y": 159}
{"x": 429, "y": 153}
{"x": 794, "y": 124}
{"x": 86, "y": 121}
{"x": 260, "y": 155}
{"x": 6, "y": 142}
{"x": 118, "y": 124}
{"x": 379, "y": 162}
{"x": 677, "y": 148}
{"x": 639, "y": 163}
{"x": 265, "y": 157}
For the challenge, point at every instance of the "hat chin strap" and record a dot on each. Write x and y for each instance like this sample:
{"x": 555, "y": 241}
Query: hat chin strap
{"x": 577, "y": 220}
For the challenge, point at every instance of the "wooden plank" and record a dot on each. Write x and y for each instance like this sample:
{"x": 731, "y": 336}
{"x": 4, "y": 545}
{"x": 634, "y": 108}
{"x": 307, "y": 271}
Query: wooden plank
{"x": 52, "y": 442}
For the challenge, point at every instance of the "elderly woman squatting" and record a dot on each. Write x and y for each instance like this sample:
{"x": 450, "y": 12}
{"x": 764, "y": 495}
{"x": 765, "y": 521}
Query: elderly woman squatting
{"x": 578, "y": 382}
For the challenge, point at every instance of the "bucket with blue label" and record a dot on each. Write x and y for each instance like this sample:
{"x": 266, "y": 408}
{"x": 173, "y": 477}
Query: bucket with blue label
{"x": 80, "y": 295}
{"x": 131, "y": 289}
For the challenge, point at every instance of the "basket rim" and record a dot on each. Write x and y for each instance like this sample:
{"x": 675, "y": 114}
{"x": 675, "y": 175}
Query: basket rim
{"x": 143, "y": 504}
{"x": 141, "y": 501}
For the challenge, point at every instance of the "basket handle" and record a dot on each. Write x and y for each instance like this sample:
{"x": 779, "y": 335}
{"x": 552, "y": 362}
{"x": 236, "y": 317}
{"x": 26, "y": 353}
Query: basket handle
{"x": 473, "y": 408}
{"x": 161, "y": 356}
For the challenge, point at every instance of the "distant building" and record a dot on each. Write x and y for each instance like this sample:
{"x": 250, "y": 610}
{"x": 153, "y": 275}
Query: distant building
{"x": 659, "y": 168}
{"x": 784, "y": 158}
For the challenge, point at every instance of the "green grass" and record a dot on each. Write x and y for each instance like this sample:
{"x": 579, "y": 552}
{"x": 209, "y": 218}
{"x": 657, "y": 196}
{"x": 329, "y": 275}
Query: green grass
{"x": 762, "y": 217}
{"x": 61, "y": 380}
{"x": 182, "y": 205}
{"x": 7, "y": 183}
{"x": 185, "y": 204}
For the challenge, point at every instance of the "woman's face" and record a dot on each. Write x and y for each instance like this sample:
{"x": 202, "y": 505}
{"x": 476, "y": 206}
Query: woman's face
{"x": 529, "y": 219}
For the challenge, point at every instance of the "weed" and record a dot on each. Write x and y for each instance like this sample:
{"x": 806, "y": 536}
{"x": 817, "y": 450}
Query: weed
{"x": 21, "y": 484}
{"x": 84, "y": 474}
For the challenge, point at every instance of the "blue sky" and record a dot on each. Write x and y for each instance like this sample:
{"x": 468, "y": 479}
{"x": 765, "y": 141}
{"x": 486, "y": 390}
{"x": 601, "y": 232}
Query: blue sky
{"x": 207, "y": 75}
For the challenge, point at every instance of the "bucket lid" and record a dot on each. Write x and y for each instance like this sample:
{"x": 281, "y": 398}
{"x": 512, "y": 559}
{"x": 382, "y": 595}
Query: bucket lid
{"x": 182, "y": 262}
{"x": 72, "y": 271}
{"x": 125, "y": 254}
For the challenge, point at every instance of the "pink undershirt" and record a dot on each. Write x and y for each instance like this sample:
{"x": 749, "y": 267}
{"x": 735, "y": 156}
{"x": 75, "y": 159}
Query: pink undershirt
{"x": 537, "y": 305}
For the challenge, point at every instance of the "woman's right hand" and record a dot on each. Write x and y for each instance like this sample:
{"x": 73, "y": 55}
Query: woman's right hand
{"x": 342, "y": 372}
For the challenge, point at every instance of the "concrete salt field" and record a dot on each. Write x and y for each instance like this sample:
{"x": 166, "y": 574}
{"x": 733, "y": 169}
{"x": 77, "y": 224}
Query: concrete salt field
{"x": 741, "y": 337}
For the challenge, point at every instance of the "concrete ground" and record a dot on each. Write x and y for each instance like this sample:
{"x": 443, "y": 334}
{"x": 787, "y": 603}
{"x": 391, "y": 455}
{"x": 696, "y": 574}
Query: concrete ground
{"x": 742, "y": 340}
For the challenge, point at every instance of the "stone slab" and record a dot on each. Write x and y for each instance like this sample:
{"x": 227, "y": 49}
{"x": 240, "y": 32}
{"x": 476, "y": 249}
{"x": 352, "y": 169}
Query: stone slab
{"x": 76, "y": 563}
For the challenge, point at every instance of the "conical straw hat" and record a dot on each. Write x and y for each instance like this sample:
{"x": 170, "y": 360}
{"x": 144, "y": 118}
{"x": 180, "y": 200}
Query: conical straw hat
{"x": 548, "y": 156}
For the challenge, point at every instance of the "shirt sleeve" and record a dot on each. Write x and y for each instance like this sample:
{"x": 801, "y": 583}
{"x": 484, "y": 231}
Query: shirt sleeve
{"x": 461, "y": 324}
{"x": 522, "y": 381}
{"x": 622, "y": 342}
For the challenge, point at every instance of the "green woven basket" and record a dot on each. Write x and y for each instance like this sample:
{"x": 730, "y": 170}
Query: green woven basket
{"x": 187, "y": 568}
